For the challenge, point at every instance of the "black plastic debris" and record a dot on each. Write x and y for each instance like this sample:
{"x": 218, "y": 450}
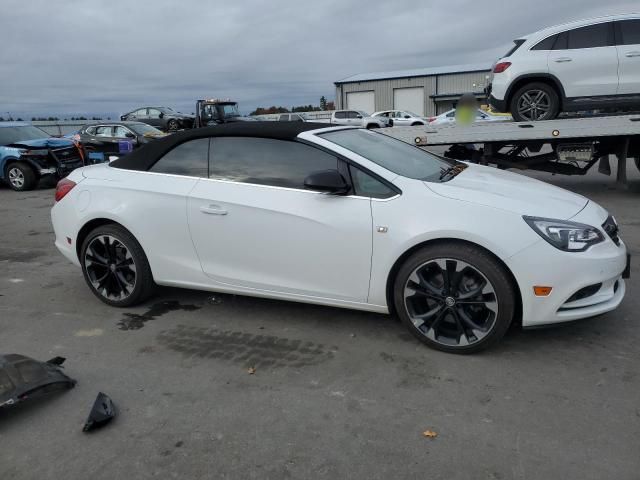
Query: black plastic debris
{"x": 102, "y": 412}
{"x": 22, "y": 378}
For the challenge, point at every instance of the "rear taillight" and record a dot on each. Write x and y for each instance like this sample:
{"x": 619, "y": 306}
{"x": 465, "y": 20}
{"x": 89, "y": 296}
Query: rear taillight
{"x": 431, "y": 119}
{"x": 63, "y": 187}
{"x": 501, "y": 67}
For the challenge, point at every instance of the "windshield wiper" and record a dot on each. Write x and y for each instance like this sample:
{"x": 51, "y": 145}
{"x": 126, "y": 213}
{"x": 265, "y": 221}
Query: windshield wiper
{"x": 451, "y": 171}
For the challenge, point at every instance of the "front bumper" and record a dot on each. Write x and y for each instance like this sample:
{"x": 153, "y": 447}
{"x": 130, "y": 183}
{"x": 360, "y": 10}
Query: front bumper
{"x": 597, "y": 271}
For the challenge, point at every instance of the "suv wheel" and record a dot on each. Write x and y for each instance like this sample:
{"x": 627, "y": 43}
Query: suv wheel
{"x": 533, "y": 102}
{"x": 454, "y": 297}
{"x": 21, "y": 177}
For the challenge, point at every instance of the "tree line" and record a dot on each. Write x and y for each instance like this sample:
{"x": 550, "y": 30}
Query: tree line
{"x": 324, "y": 105}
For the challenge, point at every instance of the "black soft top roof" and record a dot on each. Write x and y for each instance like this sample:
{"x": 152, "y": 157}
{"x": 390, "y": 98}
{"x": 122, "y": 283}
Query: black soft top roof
{"x": 145, "y": 157}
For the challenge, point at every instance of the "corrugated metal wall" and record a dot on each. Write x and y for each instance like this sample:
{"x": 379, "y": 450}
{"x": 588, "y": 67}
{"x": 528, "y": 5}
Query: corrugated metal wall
{"x": 456, "y": 83}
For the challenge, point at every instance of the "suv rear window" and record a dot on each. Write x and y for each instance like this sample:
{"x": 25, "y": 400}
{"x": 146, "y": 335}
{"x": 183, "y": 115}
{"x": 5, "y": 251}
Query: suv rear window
{"x": 546, "y": 44}
{"x": 515, "y": 47}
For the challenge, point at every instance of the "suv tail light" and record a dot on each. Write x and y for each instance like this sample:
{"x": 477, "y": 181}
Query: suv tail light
{"x": 501, "y": 67}
{"x": 63, "y": 187}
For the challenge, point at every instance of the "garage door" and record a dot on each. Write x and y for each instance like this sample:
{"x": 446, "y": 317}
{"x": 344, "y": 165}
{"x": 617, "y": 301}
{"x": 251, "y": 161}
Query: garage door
{"x": 411, "y": 99}
{"x": 364, "y": 101}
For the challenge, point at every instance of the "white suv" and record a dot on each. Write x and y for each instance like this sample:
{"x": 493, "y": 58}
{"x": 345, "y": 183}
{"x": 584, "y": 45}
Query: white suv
{"x": 583, "y": 65}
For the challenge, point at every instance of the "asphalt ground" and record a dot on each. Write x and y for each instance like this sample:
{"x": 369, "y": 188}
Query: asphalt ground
{"x": 232, "y": 387}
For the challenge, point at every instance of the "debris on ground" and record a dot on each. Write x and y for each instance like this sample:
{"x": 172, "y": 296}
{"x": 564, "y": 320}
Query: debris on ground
{"x": 102, "y": 412}
{"x": 429, "y": 434}
{"x": 22, "y": 378}
{"x": 251, "y": 370}
{"x": 215, "y": 300}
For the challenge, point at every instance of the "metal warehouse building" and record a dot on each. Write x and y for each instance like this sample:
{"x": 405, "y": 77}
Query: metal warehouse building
{"x": 425, "y": 91}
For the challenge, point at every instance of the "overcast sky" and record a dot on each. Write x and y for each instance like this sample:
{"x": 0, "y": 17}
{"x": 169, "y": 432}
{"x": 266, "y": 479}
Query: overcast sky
{"x": 69, "y": 57}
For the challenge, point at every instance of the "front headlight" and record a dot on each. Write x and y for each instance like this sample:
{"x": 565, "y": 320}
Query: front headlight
{"x": 565, "y": 235}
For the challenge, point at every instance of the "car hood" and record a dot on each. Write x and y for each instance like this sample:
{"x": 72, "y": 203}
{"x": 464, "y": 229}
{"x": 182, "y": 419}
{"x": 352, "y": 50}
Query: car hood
{"x": 510, "y": 191}
{"x": 43, "y": 143}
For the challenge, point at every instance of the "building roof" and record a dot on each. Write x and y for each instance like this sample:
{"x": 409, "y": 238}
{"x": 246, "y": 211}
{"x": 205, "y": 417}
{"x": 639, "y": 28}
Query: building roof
{"x": 416, "y": 72}
{"x": 145, "y": 157}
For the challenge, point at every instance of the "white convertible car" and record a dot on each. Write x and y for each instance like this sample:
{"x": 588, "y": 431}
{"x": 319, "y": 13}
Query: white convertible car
{"x": 345, "y": 217}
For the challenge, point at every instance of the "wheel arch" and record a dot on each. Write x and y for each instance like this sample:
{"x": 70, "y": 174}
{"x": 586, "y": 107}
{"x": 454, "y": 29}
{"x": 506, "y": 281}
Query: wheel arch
{"x": 402, "y": 258}
{"x": 546, "y": 78}
{"x": 95, "y": 223}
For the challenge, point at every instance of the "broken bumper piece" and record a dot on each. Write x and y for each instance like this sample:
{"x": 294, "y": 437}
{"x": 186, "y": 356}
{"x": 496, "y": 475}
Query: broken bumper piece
{"x": 22, "y": 378}
{"x": 102, "y": 412}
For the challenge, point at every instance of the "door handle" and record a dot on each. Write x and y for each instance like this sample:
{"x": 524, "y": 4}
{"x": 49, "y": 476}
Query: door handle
{"x": 213, "y": 210}
{"x": 562, "y": 59}
{"x": 632, "y": 54}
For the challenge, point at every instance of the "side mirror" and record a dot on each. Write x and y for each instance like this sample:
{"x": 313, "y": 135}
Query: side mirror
{"x": 328, "y": 181}
{"x": 129, "y": 135}
{"x": 358, "y": 116}
{"x": 161, "y": 115}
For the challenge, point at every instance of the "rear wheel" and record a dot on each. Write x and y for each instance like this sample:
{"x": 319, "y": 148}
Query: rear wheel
{"x": 172, "y": 125}
{"x": 454, "y": 297}
{"x": 534, "y": 102}
{"x": 115, "y": 267}
{"x": 21, "y": 177}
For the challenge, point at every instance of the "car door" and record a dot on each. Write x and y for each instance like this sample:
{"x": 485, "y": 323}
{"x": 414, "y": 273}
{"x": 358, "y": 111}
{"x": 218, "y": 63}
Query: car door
{"x": 628, "y": 46}
{"x": 103, "y": 139}
{"x": 401, "y": 119}
{"x": 254, "y": 225}
{"x": 340, "y": 118}
{"x": 354, "y": 118}
{"x": 154, "y": 118}
{"x": 585, "y": 60}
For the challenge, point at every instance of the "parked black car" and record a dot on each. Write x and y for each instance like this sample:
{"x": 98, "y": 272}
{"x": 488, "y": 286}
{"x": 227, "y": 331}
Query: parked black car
{"x": 116, "y": 138}
{"x": 163, "y": 118}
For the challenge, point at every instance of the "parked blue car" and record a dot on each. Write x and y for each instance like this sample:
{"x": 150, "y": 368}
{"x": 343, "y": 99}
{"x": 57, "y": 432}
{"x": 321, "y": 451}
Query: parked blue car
{"x": 28, "y": 154}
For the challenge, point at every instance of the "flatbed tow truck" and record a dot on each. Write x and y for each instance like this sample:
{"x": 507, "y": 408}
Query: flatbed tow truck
{"x": 569, "y": 146}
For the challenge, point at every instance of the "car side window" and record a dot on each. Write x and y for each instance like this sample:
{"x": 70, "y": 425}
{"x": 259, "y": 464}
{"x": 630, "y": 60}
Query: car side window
{"x": 365, "y": 185}
{"x": 341, "y": 114}
{"x": 141, "y": 112}
{"x": 189, "y": 158}
{"x": 352, "y": 114}
{"x": 154, "y": 113}
{"x": 630, "y": 32}
{"x": 121, "y": 132}
{"x": 265, "y": 161}
{"x": 104, "y": 131}
{"x": 91, "y": 131}
{"x": 284, "y": 117}
{"x": 592, "y": 36}
{"x": 546, "y": 44}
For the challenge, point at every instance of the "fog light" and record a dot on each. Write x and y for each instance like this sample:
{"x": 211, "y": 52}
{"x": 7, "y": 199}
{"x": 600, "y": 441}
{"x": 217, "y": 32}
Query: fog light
{"x": 541, "y": 291}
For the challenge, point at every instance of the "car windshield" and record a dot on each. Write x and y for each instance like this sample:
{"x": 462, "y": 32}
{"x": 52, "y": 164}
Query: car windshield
{"x": 22, "y": 133}
{"x": 144, "y": 129}
{"x": 229, "y": 109}
{"x": 394, "y": 155}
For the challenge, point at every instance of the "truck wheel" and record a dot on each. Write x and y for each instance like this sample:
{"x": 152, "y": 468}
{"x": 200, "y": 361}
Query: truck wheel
{"x": 533, "y": 102}
{"x": 21, "y": 177}
{"x": 454, "y": 297}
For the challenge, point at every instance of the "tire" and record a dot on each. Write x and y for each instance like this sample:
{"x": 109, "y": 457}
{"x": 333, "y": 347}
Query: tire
{"x": 541, "y": 96}
{"x": 100, "y": 266}
{"x": 21, "y": 177}
{"x": 416, "y": 124}
{"x": 172, "y": 125}
{"x": 443, "y": 315}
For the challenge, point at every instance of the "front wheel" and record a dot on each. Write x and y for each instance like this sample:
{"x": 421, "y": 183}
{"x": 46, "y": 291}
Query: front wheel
{"x": 534, "y": 102}
{"x": 454, "y": 297}
{"x": 115, "y": 266}
{"x": 21, "y": 177}
{"x": 172, "y": 125}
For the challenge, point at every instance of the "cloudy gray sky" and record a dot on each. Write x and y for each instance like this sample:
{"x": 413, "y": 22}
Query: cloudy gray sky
{"x": 69, "y": 57}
